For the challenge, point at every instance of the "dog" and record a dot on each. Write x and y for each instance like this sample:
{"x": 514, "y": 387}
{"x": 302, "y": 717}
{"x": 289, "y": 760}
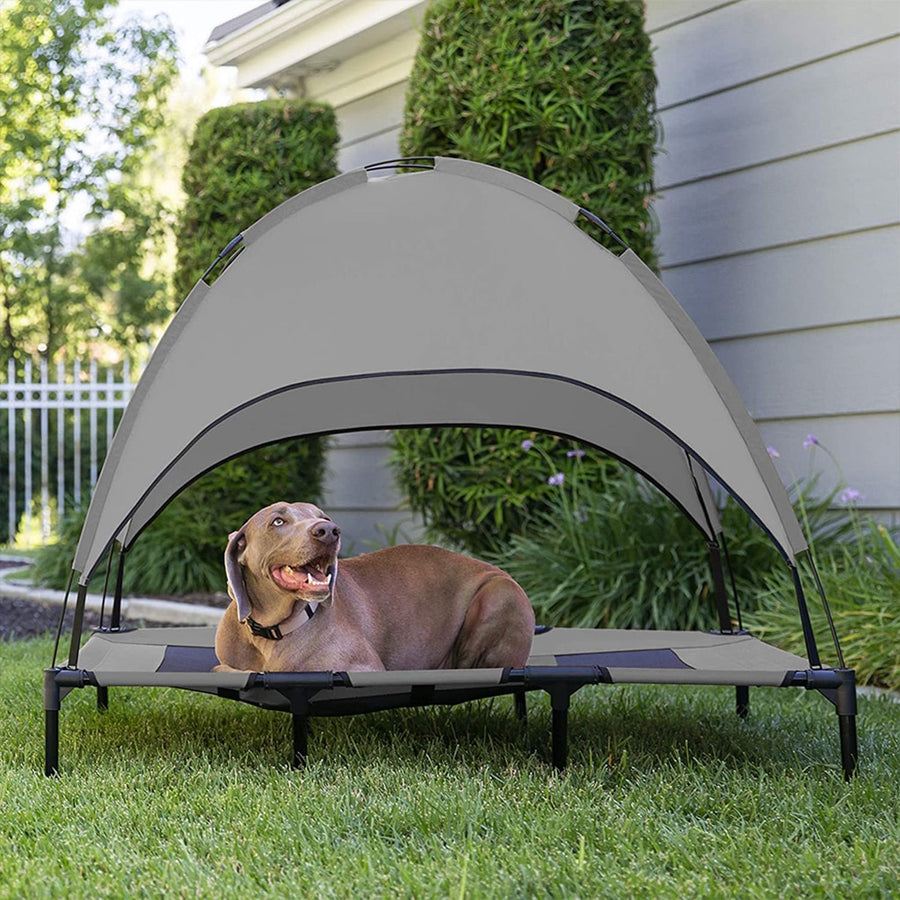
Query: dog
{"x": 295, "y": 608}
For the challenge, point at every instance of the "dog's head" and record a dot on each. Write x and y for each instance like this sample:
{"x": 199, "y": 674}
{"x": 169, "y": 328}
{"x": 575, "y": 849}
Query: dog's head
{"x": 284, "y": 553}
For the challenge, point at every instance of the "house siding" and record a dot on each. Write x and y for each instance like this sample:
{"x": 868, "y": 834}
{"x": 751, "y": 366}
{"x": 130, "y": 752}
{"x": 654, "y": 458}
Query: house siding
{"x": 779, "y": 214}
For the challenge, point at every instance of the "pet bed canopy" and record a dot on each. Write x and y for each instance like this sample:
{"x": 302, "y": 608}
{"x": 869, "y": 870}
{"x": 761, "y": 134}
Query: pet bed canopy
{"x": 455, "y": 294}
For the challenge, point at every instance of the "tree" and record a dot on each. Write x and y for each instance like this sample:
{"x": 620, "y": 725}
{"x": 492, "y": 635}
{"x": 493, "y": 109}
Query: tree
{"x": 561, "y": 92}
{"x": 81, "y": 102}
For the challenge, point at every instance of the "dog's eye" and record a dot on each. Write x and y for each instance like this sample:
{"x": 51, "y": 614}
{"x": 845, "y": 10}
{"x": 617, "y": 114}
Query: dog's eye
{"x": 277, "y": 521}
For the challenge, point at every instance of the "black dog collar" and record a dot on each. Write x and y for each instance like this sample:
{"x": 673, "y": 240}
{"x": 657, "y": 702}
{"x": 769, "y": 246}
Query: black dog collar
{"x": 273, "y": 632}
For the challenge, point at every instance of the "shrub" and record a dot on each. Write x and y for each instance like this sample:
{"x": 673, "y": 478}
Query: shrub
{"x": 862, "y": 583}
{"x": 561, "y": 92}
{"x": 477, "y": 487}
{"x": 181, "y": 551}
{"x": 245, "y": 160}
{"x": 615, "y": 552}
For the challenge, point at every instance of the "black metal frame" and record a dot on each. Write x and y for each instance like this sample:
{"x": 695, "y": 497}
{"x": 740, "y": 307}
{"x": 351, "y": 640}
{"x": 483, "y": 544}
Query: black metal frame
{"x": 296, "y": 689}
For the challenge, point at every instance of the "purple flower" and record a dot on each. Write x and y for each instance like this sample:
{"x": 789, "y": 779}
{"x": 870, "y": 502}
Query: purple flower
{"x": 578, "y": 453}
{"x": 527, "y": 444}
{"x": 849, "y": 495}
{"x": 556, "y": 479}
{"x": 773, "y": 453}
{"x": 811, "y": 441}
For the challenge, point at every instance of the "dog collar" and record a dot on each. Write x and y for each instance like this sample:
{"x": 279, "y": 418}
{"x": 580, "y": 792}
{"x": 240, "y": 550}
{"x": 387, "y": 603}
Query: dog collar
{"x": 277, "y": 631}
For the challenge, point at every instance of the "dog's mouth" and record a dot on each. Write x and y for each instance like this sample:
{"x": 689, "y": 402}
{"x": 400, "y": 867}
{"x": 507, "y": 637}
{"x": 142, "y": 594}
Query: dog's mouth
{"x": 311, "y": 580}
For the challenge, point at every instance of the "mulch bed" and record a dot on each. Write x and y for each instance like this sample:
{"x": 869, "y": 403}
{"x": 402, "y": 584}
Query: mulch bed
{"x": 27, "y": 618}
{"x": 21, "y": 618}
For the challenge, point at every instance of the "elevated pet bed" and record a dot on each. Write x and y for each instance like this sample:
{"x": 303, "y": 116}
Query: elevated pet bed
{"x": 451, "y": 294}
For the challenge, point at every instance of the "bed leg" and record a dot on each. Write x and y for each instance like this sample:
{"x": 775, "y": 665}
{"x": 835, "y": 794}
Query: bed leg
{"x": 559, "y": 702}
{"x": 103, "y": 699}
{"x": 521, "y": 707}
{"x": 846, "y": 710}
{"x": 742, "y": 700}
{"x": 300, "y": 727}
{"x": 52, "y": 701}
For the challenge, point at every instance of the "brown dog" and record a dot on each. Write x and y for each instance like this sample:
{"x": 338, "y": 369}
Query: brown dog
{"x": 406, "y": 607}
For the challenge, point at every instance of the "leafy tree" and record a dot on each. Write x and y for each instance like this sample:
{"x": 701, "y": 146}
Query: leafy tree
{"x": 561, "y": 92}
{"x": 81, "y": 101}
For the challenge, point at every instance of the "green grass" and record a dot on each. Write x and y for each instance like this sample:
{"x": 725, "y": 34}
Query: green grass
{"x": 668, "y": 794}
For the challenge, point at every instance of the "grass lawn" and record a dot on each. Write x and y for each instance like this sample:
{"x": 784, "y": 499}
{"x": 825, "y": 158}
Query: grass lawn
{"x": 668, "y": 794}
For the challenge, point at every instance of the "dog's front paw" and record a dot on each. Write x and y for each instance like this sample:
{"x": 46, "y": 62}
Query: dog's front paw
{"x": 223, "y": 668}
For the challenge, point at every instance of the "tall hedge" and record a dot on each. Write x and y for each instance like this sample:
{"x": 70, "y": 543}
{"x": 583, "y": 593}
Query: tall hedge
{"x": 244, "y": 161}
{"x": 561, "y": 92}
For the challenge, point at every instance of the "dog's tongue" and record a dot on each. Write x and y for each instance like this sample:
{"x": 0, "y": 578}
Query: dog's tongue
{"x": 289, "y": 578}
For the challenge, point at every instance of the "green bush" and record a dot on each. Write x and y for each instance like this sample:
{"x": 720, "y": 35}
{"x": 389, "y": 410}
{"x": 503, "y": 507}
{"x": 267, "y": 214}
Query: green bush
{"x": 861, "y": 578}
{"x": 561, "y": 92}
{"x": 181, "y": 551}
{"x": 244, "y": 161}
{"x": 617, "y": 553}
{"x": 477, "y": 487}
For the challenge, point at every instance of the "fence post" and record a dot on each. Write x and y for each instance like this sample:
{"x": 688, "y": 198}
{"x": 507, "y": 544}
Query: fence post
{"x": 60, "y": 440}
{"x": 11, "y": 444}
{"x": 29, "y": 402}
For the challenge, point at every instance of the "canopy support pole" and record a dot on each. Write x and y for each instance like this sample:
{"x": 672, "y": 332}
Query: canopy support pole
{"x": 77, "y": 626}
{"x": 719, "y": 589}
{"x": 116, "y": 618}
{"x": 809, "y": 637}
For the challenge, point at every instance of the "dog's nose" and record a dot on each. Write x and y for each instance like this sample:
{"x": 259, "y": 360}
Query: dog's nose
{"x": 326, "y": 532}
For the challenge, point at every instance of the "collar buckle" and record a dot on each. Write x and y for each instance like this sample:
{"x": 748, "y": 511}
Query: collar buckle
{"x": 270, "y": 633}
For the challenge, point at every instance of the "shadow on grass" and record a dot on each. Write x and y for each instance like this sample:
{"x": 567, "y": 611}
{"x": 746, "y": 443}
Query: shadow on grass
{"x": 613, "y": 732}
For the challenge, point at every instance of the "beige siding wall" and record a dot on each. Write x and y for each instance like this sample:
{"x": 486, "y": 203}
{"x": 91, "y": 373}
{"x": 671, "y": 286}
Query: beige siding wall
{"x": 779, "y": 215}
{"x": 779, "y": 212}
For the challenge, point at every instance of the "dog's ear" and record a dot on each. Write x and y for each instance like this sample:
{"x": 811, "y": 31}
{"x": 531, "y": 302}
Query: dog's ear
{"x": 237, "y": 543}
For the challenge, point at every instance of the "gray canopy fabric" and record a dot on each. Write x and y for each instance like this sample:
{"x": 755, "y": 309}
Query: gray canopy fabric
{"x": 459, "y": 294}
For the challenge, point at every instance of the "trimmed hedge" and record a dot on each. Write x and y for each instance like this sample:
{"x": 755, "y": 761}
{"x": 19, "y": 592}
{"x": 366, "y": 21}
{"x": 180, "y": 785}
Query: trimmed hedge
{"x": 244, "y": 161}
{"x": 561, "y": 92}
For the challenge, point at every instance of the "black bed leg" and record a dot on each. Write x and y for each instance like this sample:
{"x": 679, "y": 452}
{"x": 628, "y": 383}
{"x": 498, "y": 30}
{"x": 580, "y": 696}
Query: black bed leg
{"x": 521, "y": 707}
{"x": 301, "y": 734}
{"x": 102, "y": 698}
{"x": 51, "y": 742}
{"x": 559, "y": 701}
{"x": 849, "y": 749}
{"x": 52, "y": 699}
{"x": 742, "y": 700}
{"x": 846, "y": 710}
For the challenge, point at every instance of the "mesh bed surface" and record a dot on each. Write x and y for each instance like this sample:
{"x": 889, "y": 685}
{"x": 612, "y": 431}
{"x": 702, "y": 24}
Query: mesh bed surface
{"x": 183, "y": 657}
